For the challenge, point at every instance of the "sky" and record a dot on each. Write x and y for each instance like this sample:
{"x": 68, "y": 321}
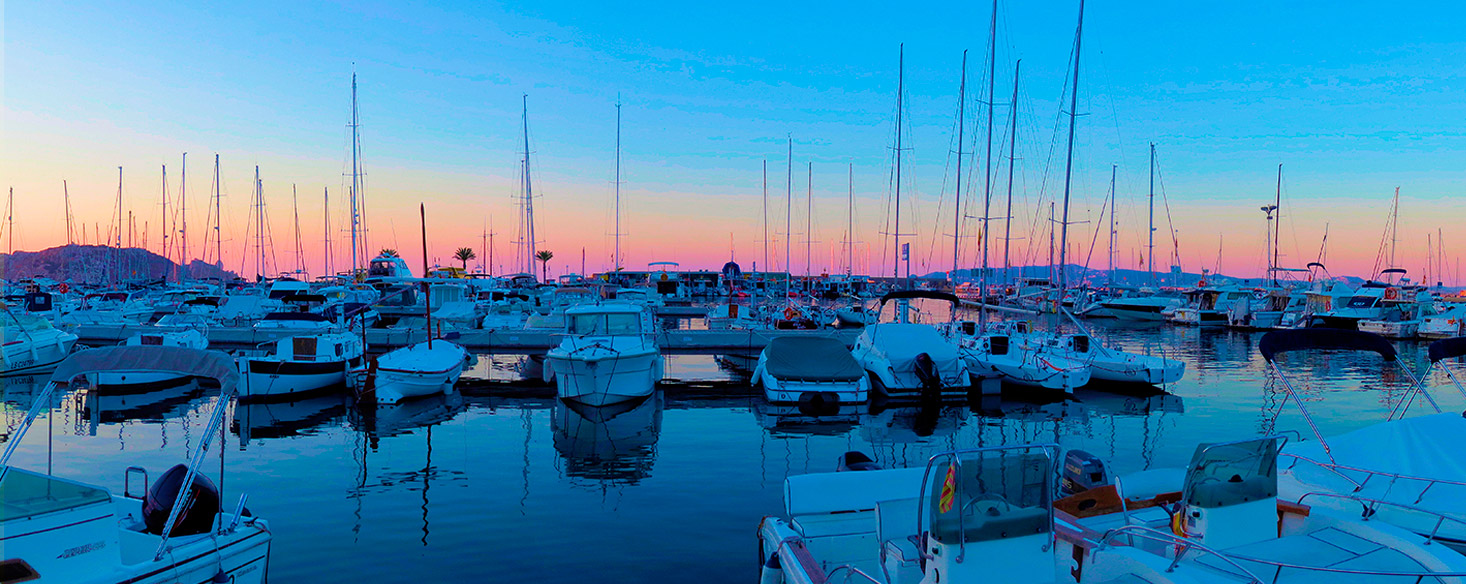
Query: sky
{"x": 1353, "y": 99}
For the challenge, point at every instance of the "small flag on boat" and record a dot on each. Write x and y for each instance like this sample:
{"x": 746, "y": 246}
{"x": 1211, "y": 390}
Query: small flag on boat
{"x": 949, "y": 489}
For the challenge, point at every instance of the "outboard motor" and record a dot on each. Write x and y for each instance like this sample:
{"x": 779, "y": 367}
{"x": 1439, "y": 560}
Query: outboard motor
{"x": 926, "y": 372}
{"x": 855, "y": 461}
{"x": 199, "y": 510}
{"x": 1082, "y": 471}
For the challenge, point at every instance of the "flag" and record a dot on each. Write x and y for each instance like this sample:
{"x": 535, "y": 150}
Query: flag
{"x": 949, "y": 489}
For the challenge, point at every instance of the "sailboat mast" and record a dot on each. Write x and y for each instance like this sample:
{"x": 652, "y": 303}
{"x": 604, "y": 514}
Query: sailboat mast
{"x": 183, "y": 217}
{"x": 1150, "y": 233}
{"x": 1277, "y": 227}
{"x": 10, "y": 220}
{"x": 766, "y": 221}
{"x": 299, "y": 250}
{"x": 218, "y": 219}
{"x": 850, "y": 222}
{"x": 164, "y": 243}
{"x": 529, "y": 242}
{"x": 900, "y": 90}
{"x": 326, "y": 214}
{"x": 789, "y": 209}
{"x": 987, "y": 154}
{"x": 1394, "y": 226}
{"x": 1069, "y": 158}
{"x": 356, "y": 248}
{"x": 66, "y": 196}
{"x": 259, "y": 224}
{"x": 616, "y": 260}
{"x": 957, "y": 201}
{"x": 1012, "y": 157}
{"x": 1111, "y": 252}
{"x": 119, "y": 225}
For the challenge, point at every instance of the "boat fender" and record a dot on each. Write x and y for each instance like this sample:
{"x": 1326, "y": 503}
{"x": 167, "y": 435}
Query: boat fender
{"x": 199, "y": 508}
{"x": 771, "y": 572}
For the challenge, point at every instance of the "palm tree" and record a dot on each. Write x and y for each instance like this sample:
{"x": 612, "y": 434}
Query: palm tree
{"x": 544, "y": 257}
{"x": 463, "y": 255}
{"x": 388, "y": 252}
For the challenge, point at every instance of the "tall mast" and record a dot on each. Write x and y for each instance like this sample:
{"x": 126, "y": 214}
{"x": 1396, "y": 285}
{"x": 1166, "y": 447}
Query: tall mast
{"x": 850, "y": 223}
{"x": 10, "y": 220}
{"x": 900, "y": 89}
{"x": 326, "y": 214}
{"x": 1277, "y": 227}
{"x": 299, "y": 250}
{"x": 1394, "y": 226}
{"x": 218, "y": 218}
{"x": 789, "y": 207}
{"x": 957, "y": 200}
{"x": 987, "y": 154}
{"x": 66, "y": 196}
{"x": 616, "y": 260}
{"x": 259, "y": 224}
{"x": 183, "y": 216}
{"x": 529, "y": 240}
{"x": 808, "y": 220}
{"x": 1012, "y": 146}
{"x": 356, "y": 245}
{"x": 1111, "y": 252}
{"x": 1069, "y": 158}
{"x": 1150, "y": 244}
{"x": 118, "y": 239}
{"x": 766, "y": 220}
{"x": 164, "y": 247}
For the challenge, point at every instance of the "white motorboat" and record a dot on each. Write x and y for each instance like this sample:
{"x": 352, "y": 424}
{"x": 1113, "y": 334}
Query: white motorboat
{"x": 1207, "y": 305}
{"x": 730, "y": 316}
{"x": 608, "y": 353}
{"x": 59, "y": 530}
{"x": 299, "y": 365}
{"x": 1450, "y": 322}
{"x": 811, "y": 369}
{"x": 1006, "y": 351}
{"x": 1402, "y": 312}
{"x": 1221, "y": 520}
{"x": 1410, "y": 470}
{"x": 1114, "y": 365}
{"x": 412, "y": 371}
{"x": 125, "y": 381}
{"x": 910, "y": 359}
{"x": 31, "y": 344}
{"x": 295, "y": 323}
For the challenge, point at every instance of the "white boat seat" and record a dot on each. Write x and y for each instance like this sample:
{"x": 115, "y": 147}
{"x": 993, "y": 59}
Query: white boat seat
{"x": 1330, "y": 548}
{"x": 835, "y": 524}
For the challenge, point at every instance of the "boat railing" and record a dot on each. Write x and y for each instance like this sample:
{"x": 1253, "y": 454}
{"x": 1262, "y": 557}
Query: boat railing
{"x": 851, "y": 573}
{"x": 1183, "y": 545}
{"x": 1371, "y": 507}
{"x": 1418, "y": 386}
{"x": 1308, "y": 417}
{"x": 1370, "y": 474}
{"x": 1049, "y": 450}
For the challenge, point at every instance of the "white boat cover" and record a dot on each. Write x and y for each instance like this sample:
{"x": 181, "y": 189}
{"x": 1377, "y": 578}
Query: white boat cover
{"x": 1423, "y": 446}
{"x": 902, "y": 342}
{"x": 831, "y": 492}
{"x": 811, "y": 358}
{"x": 195, "y": 362}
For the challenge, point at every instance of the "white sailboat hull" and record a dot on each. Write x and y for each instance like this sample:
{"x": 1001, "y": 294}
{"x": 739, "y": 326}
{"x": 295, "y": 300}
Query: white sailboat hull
{"x": 265, "y": 379}
{"x": 416, "y": 371}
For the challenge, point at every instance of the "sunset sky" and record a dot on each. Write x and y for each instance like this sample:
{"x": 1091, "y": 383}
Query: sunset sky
{"x": 1353, "y": 98}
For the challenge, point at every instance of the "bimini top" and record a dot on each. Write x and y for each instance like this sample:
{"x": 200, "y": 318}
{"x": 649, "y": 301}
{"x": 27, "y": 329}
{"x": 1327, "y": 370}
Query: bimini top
{"x": 1447, "y": 348}
{"x": 811, "y": 359}
{"x": 899, "y": 294}
{"x": 196, "y": 362}
{"x": 1275, "y": 343}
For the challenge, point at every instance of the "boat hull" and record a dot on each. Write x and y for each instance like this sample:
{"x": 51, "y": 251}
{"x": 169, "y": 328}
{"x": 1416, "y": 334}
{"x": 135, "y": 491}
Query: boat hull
{"x": 266, "y": 379}
{"x": 393, "y": 385}
{"x": 596, "y": 381}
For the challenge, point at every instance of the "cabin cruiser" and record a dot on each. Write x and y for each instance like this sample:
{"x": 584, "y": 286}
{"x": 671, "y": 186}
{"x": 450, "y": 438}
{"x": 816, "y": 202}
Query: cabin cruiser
{"x": 1113, "y": 365}
{"x": 388, "y": 268}
{"x": 730, "y": 316}
{"x": 810, "y": 369}
{"x": 608, "y": 353}
{"x": 300, "y": 364}
{"x": 1207, "y": 306}
{"x": 552, "y": 317}
{"x": 1402, "y": 312}
{"x": 1366, "y": 303}
{"x": 31, "y": 343}
{"x": 60, "y": 530}
{"x": 125, "y": 381}
{"x": 912, "y": 359}
{"x": 1267, "y": 309}
{"x": 1445, "y": 324}
{"x": 1409, "y": 471}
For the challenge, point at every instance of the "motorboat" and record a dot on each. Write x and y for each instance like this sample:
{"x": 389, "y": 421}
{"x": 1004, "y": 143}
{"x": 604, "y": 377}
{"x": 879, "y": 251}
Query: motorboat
{"x": 295, "y": 323}
{"x": 1148, "y": 305}
{"x": 731, "y": 316}
{"x": 1366, "y": 303}
{"x": 300, "y": 364}
{"x": 1445, "y": 324}
{"x": 810, "y": 369}
{"x": 1114, "y": 365}
{"x": 412, "y": 371}
{"x": 172, "y": 530}
{"x": 607, "y": 353}
{"x": 124, "y": 381}
{"x": 1207, "y": 305}
{"x": 1409, "y": 471}
{"x": 31, "y": 344}
{"x": 1402, "y": 312}
{"x": 912, "y": 359}
{"x": 1221, "y": 519}
{"x": 1008, "y": 352}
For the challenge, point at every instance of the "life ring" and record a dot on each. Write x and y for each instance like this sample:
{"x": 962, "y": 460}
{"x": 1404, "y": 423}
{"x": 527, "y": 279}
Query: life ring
{"x": 1201, "y": 283}
{"x": 1392, "y": 293}
{"x": 1259, "y": 293}
{"x": 791, "y": 313}
{"x": 63, "y": 287}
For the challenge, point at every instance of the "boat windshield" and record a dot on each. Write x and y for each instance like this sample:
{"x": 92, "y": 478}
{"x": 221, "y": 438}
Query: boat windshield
{"x": 989, "y": 495}
{"x": 605, "y": 324}
{"x": 1362, "y": 302}
{"x": 25, "y": 322}
{"x": 1231, "y": 473}
{"x": 26, "y": 494}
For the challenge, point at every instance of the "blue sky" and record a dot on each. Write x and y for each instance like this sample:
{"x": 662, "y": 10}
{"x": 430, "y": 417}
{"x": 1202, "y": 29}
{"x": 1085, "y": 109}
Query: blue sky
{"x": 1354, "y": 98}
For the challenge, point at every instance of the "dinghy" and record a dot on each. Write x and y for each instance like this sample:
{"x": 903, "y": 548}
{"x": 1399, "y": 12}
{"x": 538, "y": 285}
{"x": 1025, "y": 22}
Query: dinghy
{"x": 814, "y": 369}
{"x": 172, "y": 530}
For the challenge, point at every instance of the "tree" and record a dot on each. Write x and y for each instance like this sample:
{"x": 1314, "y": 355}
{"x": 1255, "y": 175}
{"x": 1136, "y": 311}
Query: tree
{"x": 388, "y": 252}
{"x": 463, "y": 255}
{"x": 544, "y": 257}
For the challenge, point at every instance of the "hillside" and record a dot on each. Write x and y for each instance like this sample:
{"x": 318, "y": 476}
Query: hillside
{"x": 95, "y": 264}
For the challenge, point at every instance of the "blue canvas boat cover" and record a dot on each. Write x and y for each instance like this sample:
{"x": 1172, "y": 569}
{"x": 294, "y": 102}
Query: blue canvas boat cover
{"x": 811, "y": 358}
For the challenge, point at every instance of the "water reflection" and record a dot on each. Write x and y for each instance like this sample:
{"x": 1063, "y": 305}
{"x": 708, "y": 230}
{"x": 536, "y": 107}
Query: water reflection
{"x": 96, "y": 407}
{"x": 379, "y": 421}
{"x": 612, "y": 444}
{"x": 265, "y": 420}
{"x": 790, "y": 419}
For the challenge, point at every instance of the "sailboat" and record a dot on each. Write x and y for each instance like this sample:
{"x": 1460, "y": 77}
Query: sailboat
{"x": 1150, "y": 304}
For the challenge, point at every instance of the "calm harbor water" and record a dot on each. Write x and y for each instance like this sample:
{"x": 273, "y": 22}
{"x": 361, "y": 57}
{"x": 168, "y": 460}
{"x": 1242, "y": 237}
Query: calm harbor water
{"x": 503, "y": 480}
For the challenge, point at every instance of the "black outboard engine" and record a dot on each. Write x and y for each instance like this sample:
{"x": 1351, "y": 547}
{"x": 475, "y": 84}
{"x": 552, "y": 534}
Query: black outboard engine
{"x": 926, "y": 372}
{"x": 1082, "y": 471}
{"x": 856, "y": 460}
{"x": 199, "y": 510}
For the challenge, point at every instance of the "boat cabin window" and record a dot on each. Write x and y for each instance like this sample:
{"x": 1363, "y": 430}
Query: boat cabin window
{"x": 27, "y": 494}
{"x": 1221, "y": 475}
{"x": 989, "y": 496}
{"x": 1362, "y": 302}
{"x": 605, "y": 324}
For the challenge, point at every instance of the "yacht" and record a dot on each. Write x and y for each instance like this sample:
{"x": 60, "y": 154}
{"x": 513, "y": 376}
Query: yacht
{"x": 912, "y": 359}
{"x": 1148, "y": 305}
{"x": 1010, "y": 351}
{"x": 1207, "y": 306}
{"x": 61, "y": 530}
{"x": 607, "y": 354}
{"x": 816, "y": 370}
{"x": 1402, "y": 312}
{"x": 299, "y": 365}
{"x": 31, "y": 344}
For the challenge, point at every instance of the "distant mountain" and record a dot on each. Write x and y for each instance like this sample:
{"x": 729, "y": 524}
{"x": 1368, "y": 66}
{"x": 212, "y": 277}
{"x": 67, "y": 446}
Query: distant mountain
{"x": 96, "y": 264}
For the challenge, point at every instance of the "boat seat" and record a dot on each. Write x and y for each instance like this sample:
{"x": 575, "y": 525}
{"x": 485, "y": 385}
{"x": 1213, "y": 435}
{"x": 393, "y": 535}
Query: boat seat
{"x": 835, "y": 524}
{"x": 1329, "y": 547}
